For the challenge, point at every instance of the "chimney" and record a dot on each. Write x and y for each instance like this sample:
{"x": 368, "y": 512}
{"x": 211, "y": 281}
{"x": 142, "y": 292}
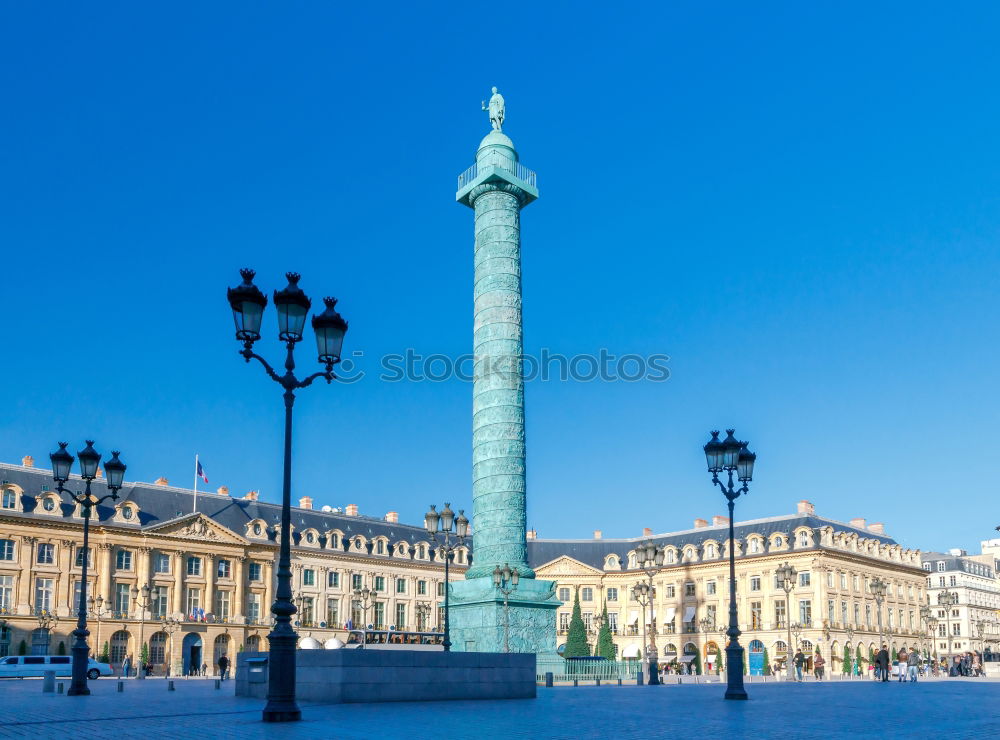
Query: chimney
{"x": 392, "y": 517}
{"x": 222, "y": 490}
{"x": 161, "y": 481}
{"x": 804, "y": 507}
{"x": 700, "y": 523}
{"x": 351, "y": 510}
{"x": 305, "y": 502}
{"x": 532, "y": 534}
{"x": 877, "y": 527}
{"x": 28, "y": 461}
{"x": 251, "y": 495}
{"x": 597, "y": 534}
{"x": 857, "y": 522}
{"x": 718, "y": 521}
{"x": 647, "y": 532}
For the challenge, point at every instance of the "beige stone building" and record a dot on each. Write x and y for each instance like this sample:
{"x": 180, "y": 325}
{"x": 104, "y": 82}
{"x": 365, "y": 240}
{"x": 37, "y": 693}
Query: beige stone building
{"x": 836, "y": 563}
{"x": 209, "y": 562}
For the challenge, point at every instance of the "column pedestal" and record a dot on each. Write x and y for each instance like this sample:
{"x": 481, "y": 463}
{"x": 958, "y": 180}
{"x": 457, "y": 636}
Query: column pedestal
{"x": 477, "y": 616}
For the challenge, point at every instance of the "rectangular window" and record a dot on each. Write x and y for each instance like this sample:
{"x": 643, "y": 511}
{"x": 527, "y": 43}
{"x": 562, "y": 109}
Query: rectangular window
{"x": 755, "y": 621}
{"x": 222, "y": 605}
{"x": 421, "y": 588}
{"x": 440, "y": 589}
{"x": 79, "y": 558}
{"x": 44, "y": 588}
{"x": 253, "y": 608}
{"x": 333, "y": 579}
{"x": 843, "y": 613}
{"x": 710, "y": 588}
{"x": 671, "y": 592}
{"x": 612, "y": 594}
{"x": 224, "y": 569}
{"x": 689, "y": 589}
{"x": 804, "y": 578}
{"x": 193, "y": 602}
{"x": 613, "y": 622}
{"x": 122, "y": 598}
{"x": 123, "y": 560}
{"x": 952, "y": 581}
{"x": 253, "y": 572}
{"x": 46, "y": 553}
{"x": 956, "y": 628}
{"x": 6, "y": 549}
{"x": 401, "y": 616}
{"x": 941, "y": 581}
{"x": 755, "y": 583}
{"x": 829, "y": 579}
{"x": 332, "y": 613}
{"x": 588, "y": 594}
{"x": 380, "y": 583}
{"x": 710, "y": 612}
{"x": 857, "y": 616}
{"x": 9, "y": 499}
{"x": 563, "y": 622}
{"x": 857, "y": 584}
{"x": 6, "y": 592}
{"x": 308, "y": 613}
{"x": 308, "y": 577}
{"x": 940, "y": 566}
{"x": 75, "y": 605}
{"x": 161, "y": 563}
{"x": 356, "y": 582}
{"x": 843, "y": 581}
{"x": 194, "y": 566}
{"x": 400, "y": 585}
{"x": 805, "y": 612}
{"x": 830, "y": 609}
{"x": 588, "y": 621}
{"x": 380, "y": 615}
{"x": 159, "y": 602}
{"x": 564, "y": 595}
{"x": 779, "y": 614}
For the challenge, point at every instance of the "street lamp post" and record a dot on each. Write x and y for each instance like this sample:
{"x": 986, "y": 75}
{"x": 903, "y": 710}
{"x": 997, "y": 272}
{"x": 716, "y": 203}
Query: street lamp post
{"x": 505, "y": 580}
{"x": 650, "y": 559}
{"x": 248, "y": 303}
{"x": 731, "y": 456}
{"x": 786, "y": 574}
{"x": 932, "y": 623}
{"x": 878, "y": 589}
{"x": 423, "y": 616}
{"x": 850, "y": 641}
{"x": 925, "y": 614}
{"x": 141, "y": 599}
{"x": 947, "y": 599}
{"x": 981, "y": 631}
{"x": 96, "y": 609}
{"x": 170, "y": 626}
{"x": 439, "y": 526}
{"x": 366, "y": 598}
{"x": 90, "y": 460}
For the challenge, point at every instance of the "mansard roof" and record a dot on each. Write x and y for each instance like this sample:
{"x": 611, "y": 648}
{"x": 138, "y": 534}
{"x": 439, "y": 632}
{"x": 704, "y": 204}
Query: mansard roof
{"x": 160, "y": 504}
{"x": 595, "y": 552}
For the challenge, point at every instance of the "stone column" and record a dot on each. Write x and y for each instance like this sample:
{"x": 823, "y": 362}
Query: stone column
{"x": 209, "y": 604}
{"x": 142, "y": 568}
{"x": 177, "y": 602}
{"x": 240, "y": 590}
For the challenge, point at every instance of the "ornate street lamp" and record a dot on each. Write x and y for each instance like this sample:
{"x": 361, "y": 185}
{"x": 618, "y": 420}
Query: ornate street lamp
{"x": 170, "y": 626}
{"x": 95, "y": 608}
{"x": 248, "y": 303}
{"x": 853, "y": 652}
{"x": 650, "y": 559}
{"x": 786, "y": 575}
{"x": 439, "y": 527}
{"x": 365, "y": 598}
{"x": 925, "y": 614}
{"x": 423, "y": 616}
{"x": 878, "y": 588}
{"x": 947, "y": 599}
{"x": 505, "y": 580}
{"x": 90, "y": 460}
{"x": 732, "y": 457}
{"x": 141, "y": 599}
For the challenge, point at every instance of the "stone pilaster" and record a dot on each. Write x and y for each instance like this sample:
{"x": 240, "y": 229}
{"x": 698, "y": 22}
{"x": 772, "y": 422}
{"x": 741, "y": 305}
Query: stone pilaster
{"x": 177, "y": 600}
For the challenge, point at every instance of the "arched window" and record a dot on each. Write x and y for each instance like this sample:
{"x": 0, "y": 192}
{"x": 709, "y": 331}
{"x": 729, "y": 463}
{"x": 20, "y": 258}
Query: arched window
{"x": 119, "y": 646}
{"x": 754, "y": 545}
{"x": 158, "y": 648}
{"x": 220, "y": 648}
{"x": 253, "y": 644}
{"x": 710, "y": 551}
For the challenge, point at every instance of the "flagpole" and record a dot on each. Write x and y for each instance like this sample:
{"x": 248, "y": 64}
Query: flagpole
{"x": 193, "y": 510}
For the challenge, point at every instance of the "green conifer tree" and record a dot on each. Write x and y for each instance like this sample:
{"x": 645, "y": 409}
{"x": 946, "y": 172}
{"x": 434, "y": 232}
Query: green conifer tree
{"x": 576, "y": 641}
{"x": 696, "y": 664}
{"x": 61, "y": 650}
{"x": 22, "y": 649}
{"x": 847, "y": 659}
{"x": 605, "y": 642}
{"x": 718, "y": 660}
{"x": 767, "y": 663}
{"x": 144, "y": 654}
{"x": 105, "y": 654}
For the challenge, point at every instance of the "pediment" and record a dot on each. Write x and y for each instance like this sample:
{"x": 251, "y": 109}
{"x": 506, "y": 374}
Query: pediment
{"x": 564, "y": 565}
{"x": 198, "y": 527}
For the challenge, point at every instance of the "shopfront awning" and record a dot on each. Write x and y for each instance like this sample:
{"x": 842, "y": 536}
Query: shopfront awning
{"x": 687, "y": 658}
{"x": 668, "y": 615}
{"x": 689, "y": 613}
{"x": 633, "y": 617}
{"x": 632, "y": 651}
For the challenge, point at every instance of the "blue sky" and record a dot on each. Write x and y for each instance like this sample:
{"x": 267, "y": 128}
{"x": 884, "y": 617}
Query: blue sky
{"x": 798, "y": 203}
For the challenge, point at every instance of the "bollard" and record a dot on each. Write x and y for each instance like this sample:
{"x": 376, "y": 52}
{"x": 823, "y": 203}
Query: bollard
{"x": 576, "y": 682}
{"x": 598, "y": 682}
{"x": 638, "y": 678}
{"x": 170, "y": 686}
{"x": 548, "y": 679}
{"x": 59, "y": 688}
{"x": 49, "y": 682}
{"x": 121, "y": 686}
{"x": 619, "y": 682}
{"x": 218, "y": 684}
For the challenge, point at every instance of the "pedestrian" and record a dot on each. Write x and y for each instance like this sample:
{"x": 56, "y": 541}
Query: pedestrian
{"x": 223, "y": 667}
{"x": 800, "y": 661}
{"x": 126, "y": 666}
{"x": 204, "y": 669}
{"x": 818, "y": 662}
{"x": 912, "y": 664}
{"x": 977, "y": 667}
{"x": 882, "y": 660}
{"x": 902, "y": 669}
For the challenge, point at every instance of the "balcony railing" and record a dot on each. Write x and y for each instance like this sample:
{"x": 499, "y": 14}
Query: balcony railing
{"x": 501, "y": 161}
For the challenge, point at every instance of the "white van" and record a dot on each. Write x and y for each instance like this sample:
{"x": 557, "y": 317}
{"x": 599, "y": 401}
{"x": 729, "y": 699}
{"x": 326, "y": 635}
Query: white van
{"x": 26, "y": 666}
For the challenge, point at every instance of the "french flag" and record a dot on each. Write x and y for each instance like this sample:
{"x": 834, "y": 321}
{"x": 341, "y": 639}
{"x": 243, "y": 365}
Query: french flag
{"x": 201, "y": 472}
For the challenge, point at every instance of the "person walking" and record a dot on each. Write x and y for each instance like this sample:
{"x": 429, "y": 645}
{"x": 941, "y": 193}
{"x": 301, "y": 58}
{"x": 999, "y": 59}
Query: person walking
{"x": 882, "y": 661}
{"x": 902, "y": 668}
{"x": 800, "y": 661}
{"x": 913, "y": 664}
{"x": 223, "y": 667}
{"x": 126, "y": 666}
{"x": 818, "y": 662}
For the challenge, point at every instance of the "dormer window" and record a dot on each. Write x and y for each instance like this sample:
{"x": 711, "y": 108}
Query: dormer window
{"x": 381, "y": 547}
{"x": 754, "y": 545}
{"x": 779, "y": 542}
{"x": 310, "y": 537}
{"x": 256, "y": 528}
{"x": 9, "y": 498}
{"x": 127, "y": 513}
{"x": 48, "y": 503}
{"x": 803, "y": 539}
{"x": 670, "y": 556}
{"x": 710, "y": 551}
